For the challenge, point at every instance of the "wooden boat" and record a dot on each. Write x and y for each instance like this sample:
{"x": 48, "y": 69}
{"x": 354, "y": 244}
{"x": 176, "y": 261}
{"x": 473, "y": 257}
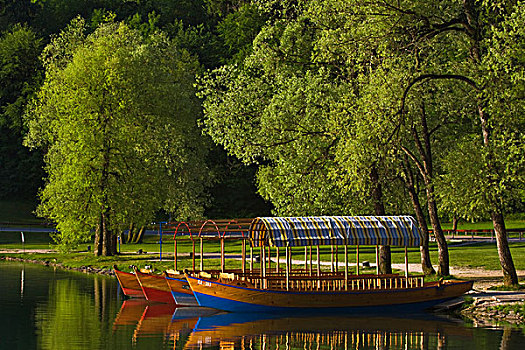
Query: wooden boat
{"x": 154, "y": 287}
{"x": 180, "y": 289}
{"x": 129, "y": 283}
{"x": 305, "y": 289}
{"x": 238, "y": 293}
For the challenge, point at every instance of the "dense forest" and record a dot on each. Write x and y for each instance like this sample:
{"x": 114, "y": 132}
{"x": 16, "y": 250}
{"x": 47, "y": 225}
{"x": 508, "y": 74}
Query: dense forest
{"x": 113, "y": 112}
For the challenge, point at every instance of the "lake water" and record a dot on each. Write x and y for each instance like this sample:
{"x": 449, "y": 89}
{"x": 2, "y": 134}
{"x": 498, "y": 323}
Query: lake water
{"x": 44, "y": 308}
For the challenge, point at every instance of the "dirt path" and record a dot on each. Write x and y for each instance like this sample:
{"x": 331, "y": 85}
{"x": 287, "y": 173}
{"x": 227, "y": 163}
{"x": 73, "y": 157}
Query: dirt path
{"x": 483, "y": 278}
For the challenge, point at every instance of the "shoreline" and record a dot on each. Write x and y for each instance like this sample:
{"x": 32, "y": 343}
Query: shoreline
{"x": 83, "y": 269}
{"x": 482, "y": 307}
{"x": 487, "y": 308}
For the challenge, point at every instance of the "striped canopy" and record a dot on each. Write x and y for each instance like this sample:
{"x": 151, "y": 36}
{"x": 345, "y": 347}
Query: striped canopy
{"x": 335, "y": 230}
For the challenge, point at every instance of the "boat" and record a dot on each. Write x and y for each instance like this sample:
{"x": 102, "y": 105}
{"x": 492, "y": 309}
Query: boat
{"x": 128, "y": 283}
{"x": 180, "y": 289}
{"x": 154, "y": 287}
{"x": 296, "y": 290}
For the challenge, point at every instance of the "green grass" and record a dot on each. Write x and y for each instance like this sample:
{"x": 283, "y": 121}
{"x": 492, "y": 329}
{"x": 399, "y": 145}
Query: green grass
{"x": 481, "y": 255}
{"x": 474, "y": 256}
{"x": 485, "y": 225}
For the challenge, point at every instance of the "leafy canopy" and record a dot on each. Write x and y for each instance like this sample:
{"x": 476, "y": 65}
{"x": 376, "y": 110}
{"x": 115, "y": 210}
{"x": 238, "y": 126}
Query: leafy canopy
{"x": 117, "y": 119}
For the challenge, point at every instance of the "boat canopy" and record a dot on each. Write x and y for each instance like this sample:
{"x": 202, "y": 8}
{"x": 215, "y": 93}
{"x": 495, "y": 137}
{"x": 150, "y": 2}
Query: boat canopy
{"x": 335, "y": 230}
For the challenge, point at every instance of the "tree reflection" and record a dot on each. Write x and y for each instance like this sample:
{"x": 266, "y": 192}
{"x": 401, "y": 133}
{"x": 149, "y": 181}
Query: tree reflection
{"x": 76, "y": 315}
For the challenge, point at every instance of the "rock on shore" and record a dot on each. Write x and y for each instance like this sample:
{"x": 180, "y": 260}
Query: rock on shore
{"x": 489, "y": 307}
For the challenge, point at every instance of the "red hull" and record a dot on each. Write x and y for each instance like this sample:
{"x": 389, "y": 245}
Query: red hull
{"x": 155, "y": 287}
{"x": 133, "y": 293}
{"x": 129, "y": 284}
{"x": 153, "y": 294}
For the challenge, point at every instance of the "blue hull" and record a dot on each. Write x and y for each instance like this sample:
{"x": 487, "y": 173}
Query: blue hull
{"x": 236, "y": 306}
{"x": 183, "y": 299}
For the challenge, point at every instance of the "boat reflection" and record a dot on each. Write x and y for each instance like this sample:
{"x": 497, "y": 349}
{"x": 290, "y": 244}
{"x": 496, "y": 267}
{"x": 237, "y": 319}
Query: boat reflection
{"x": 195, "y": 327}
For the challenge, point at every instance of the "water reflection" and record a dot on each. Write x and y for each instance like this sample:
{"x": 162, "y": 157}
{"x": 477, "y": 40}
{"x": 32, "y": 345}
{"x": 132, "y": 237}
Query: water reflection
{"x": 192, "y": 328}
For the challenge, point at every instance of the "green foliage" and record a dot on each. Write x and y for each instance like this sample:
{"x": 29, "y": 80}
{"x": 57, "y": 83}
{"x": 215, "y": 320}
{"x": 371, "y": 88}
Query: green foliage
{"x": 20, "y": 73}
{"x": 14, "y": 12}
{"x": 239, "y": 29}
{"x": 116, "y": 116}
{"x": 478, "y": 177}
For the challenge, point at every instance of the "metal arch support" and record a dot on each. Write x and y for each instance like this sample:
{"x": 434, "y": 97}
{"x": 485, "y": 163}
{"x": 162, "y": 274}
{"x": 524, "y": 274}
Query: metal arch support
{"x": 175, "y": 242}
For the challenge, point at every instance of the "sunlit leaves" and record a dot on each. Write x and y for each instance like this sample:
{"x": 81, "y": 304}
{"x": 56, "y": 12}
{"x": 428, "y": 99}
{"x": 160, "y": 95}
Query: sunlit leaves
{"x": 117, "y": 117}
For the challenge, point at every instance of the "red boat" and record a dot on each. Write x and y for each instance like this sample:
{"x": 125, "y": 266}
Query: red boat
{"x": 154, "y": 287}
{"x": 129, "y": 283}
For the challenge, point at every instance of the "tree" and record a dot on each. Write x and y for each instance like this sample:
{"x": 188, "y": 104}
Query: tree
{"x": 289, "y": 108}
{"x": 491, "y": 176}
{"x": 20, "y": 73}
{"x": 116, "y": 117}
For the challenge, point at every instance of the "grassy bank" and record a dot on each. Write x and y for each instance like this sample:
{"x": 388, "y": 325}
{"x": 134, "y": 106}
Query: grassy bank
{"x": 481, "y": 255}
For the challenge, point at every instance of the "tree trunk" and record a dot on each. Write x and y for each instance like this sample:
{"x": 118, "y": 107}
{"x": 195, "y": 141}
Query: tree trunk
{"x": 507, "y": 264}
{"x": 140, "y": 235}
{"x": 443, "y": 269}
{"x": 455, "y": 223}
{"x": 505, "y": 258}
{"x": 129, "y": 239}
{"x": 426, "y": 264}
{"x": 385, "y": 256}
{"x": 108, "y": 246}
{"x": 425, "y": 166}
{"x": 97, "y": 249}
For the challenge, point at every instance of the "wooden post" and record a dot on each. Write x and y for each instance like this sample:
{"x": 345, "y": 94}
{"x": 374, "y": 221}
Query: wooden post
{"x": 277, "y": 256}
{"x": 175, "y": 254}
{"x": 261, "y": 261}
{"x": 222, "y": 255}
{"x": 263, "y": 266}
{"x": 406, "y": 261}
{"x": 251, "y": 258}
{"x": 336, "y": 258}
{"x": 311, "y": 262}
{"x": 201, "y": 267}
{"x": 318, "y": 262}
{"x": 332, "y": 258}
{"x": 193, "y": 255}
{"x": 346, "y": 266}
{"x": 318, "y": 268}
{"x": 305, "y": 259}
{"x": 269, "y": 260}
{"x": 243, "y": 256}
{"x": 357, "y": 260}
{"x": 287, "y": 268}
{"x": 377, "y": 260}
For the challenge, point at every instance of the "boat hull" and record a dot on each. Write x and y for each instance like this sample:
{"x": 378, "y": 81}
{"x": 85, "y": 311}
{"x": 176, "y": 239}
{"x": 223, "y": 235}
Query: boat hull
{"x": 211, "y": 293}
{"x": 181, "y": 291}
{"x": 155, "y": 288}
{"x": 129, "y": 284}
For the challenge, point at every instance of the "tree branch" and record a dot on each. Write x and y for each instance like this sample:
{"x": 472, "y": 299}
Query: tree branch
{"x": 428, "y": 77}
